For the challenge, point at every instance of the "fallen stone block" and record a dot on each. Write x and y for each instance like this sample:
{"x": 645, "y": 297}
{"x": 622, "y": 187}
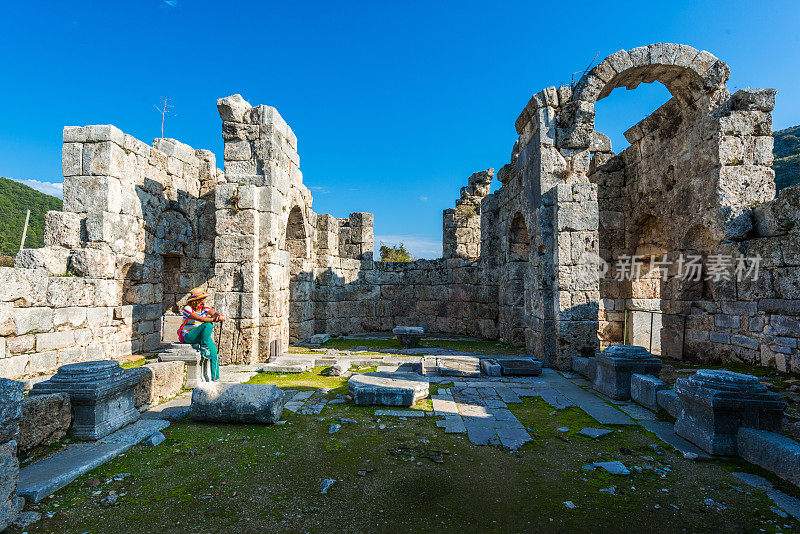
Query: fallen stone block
{"x": 669, "y": 402}
{"x": 318, "y": 339}
{"x": 463, "y": 367}
{"x": 387, "y": 389}
{"x": 236, "y": 403}
{"x": 716, "y": 403}
{"x": 45, "y": 420}
{"x": 490, "y": 367}
{"x": 520, "y": 366}
{"x": 644, "y": 390}
{"x": 294, "y": 366}
{"x": 340, "y": 368}
{"x": 154, "y": 440}
{"x": 408, "y": 336}
{"x": 617, "y": 363}
{"x": 774, "y": 452}
{"x": 593, "y": 432}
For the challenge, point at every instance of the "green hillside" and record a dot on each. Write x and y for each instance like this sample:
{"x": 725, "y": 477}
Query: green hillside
{"x": 15, "y": 200}
{"x": 787, "y": 157}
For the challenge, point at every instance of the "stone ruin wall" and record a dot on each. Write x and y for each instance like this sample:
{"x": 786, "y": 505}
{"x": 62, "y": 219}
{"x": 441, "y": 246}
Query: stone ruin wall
{"x": 143, "y": 225}
{"x": 126, "y": 249}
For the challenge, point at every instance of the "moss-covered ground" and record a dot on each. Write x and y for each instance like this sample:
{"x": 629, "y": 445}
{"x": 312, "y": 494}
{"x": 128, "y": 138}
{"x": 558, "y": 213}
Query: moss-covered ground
{"x": 396, "y": 475}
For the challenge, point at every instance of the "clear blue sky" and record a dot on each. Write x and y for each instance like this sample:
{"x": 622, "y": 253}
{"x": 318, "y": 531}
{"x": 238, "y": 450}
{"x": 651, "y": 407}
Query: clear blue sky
{"x": 394, "y": 104}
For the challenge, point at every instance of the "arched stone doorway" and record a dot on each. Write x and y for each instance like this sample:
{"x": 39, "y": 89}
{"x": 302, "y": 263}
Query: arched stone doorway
{"x": 298, "y": 247}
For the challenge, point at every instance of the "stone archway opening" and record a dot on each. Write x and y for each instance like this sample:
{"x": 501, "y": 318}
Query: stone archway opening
{"x": 513, "y": 309}
{"x": 298, "y": 247}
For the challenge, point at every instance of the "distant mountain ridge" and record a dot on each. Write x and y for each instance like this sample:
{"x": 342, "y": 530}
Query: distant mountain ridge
{"x": 15, "y": 200}
{"x": 787, "y": 157}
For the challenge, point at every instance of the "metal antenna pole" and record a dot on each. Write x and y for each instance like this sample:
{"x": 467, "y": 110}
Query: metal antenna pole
{"x": 25, "y": 230}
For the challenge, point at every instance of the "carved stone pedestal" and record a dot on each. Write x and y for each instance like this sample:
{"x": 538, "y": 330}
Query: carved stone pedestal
{"x": 101, "y": 394}
{"x": 617, "y": 363}
{"x": 198, "y": 369}
{"x": 408, "y": 336}
{"x": 717, "y": 403}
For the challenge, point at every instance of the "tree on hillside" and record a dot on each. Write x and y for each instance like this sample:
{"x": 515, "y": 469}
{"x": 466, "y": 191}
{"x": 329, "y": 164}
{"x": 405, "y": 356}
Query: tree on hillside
{"x": 395, "y": 253}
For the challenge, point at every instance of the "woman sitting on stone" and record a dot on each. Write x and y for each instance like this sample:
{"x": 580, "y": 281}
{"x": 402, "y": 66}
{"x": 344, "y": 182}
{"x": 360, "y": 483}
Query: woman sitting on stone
{"x": 197, "y": 328}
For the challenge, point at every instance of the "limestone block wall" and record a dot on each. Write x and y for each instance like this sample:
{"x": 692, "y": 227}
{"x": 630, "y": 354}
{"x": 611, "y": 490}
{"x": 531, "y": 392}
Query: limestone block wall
{"x": 135, "y": 236}
{"x": 461, "y": 228}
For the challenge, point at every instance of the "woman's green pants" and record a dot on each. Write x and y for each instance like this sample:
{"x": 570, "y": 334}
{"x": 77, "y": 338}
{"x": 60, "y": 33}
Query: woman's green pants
{"x": 201, "y": 335}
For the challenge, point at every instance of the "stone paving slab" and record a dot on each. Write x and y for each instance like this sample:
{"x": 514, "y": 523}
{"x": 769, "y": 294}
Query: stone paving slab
{"x": 482, "y": 435}
{"x": 507, "y": 394}
{"x": 444, "y": 405}
{"x": 555, "y": 399}
{"x": 47, "y": 476}
{"x": 637, "y": 412}
{"x": 601, "y": 411}
{"x": 666, "y": 433}
{"x": 787, "y": 503}
{"x": 452, "y": 425}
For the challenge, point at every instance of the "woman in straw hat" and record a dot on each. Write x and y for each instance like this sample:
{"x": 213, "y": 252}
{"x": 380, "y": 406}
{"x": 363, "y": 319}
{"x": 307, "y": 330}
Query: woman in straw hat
{"x": 198, "y": 326}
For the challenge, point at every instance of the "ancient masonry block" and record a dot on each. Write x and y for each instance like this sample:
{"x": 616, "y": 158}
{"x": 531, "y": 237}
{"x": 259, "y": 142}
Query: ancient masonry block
{"x": 717, "y": 403}
{"x": 101, "y": 393}
{"x": 616, "y": 366}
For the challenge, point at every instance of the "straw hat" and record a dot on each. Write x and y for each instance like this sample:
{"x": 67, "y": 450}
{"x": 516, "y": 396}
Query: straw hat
{"x": 198, "y": 294}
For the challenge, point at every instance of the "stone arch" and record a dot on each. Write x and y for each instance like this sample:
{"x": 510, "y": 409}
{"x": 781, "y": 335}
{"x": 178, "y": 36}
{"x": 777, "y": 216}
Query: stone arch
{"x": 297, "y": 238}
{"x": 519, "y": 241}
{"x": 697, "y": 78}
{"x": 297, "y": 243}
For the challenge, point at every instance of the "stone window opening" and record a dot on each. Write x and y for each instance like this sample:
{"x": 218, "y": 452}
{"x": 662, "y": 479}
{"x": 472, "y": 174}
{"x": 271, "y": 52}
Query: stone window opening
{"x": 519, "y": 242}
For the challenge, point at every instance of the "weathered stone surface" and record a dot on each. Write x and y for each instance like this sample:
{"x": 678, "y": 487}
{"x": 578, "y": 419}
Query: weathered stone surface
{"x": 490, "y": 367}
{"x": 644, "y": 390}
{"x": 11, "y": 392}
{"x": 101, "y": 394}
{"x": 520, "y": 366}
{"x": 158, "y": 382}
{"x": 408, "y": 336}
{"x": 617, "y": 363}
{"x": 9, "y": 473}
{"x": 340, "y": 368}
{"x": 462, "y": 366}
{"x": 198, "y": 369}
{"x": 669, "y": 401}
{"x": 776, "y": 453}
{"x": 717, "y": 403}
{"x": 236, "y": 403}
{"x": 387, "y": 389}
{"x": 45, "y": 419}
{"x": 318, "y": 339}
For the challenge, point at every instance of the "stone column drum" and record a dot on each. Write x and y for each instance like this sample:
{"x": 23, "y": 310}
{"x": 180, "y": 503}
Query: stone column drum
{"x": 617, "y": 363}
{"x": 717, "y": 403}
{"x": 101, "y": 393}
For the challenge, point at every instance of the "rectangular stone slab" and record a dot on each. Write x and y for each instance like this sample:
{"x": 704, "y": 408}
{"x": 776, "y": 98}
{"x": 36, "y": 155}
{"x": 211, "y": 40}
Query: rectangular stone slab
{"x": 47, "y": 476}
{"x": 520, "y": 366}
